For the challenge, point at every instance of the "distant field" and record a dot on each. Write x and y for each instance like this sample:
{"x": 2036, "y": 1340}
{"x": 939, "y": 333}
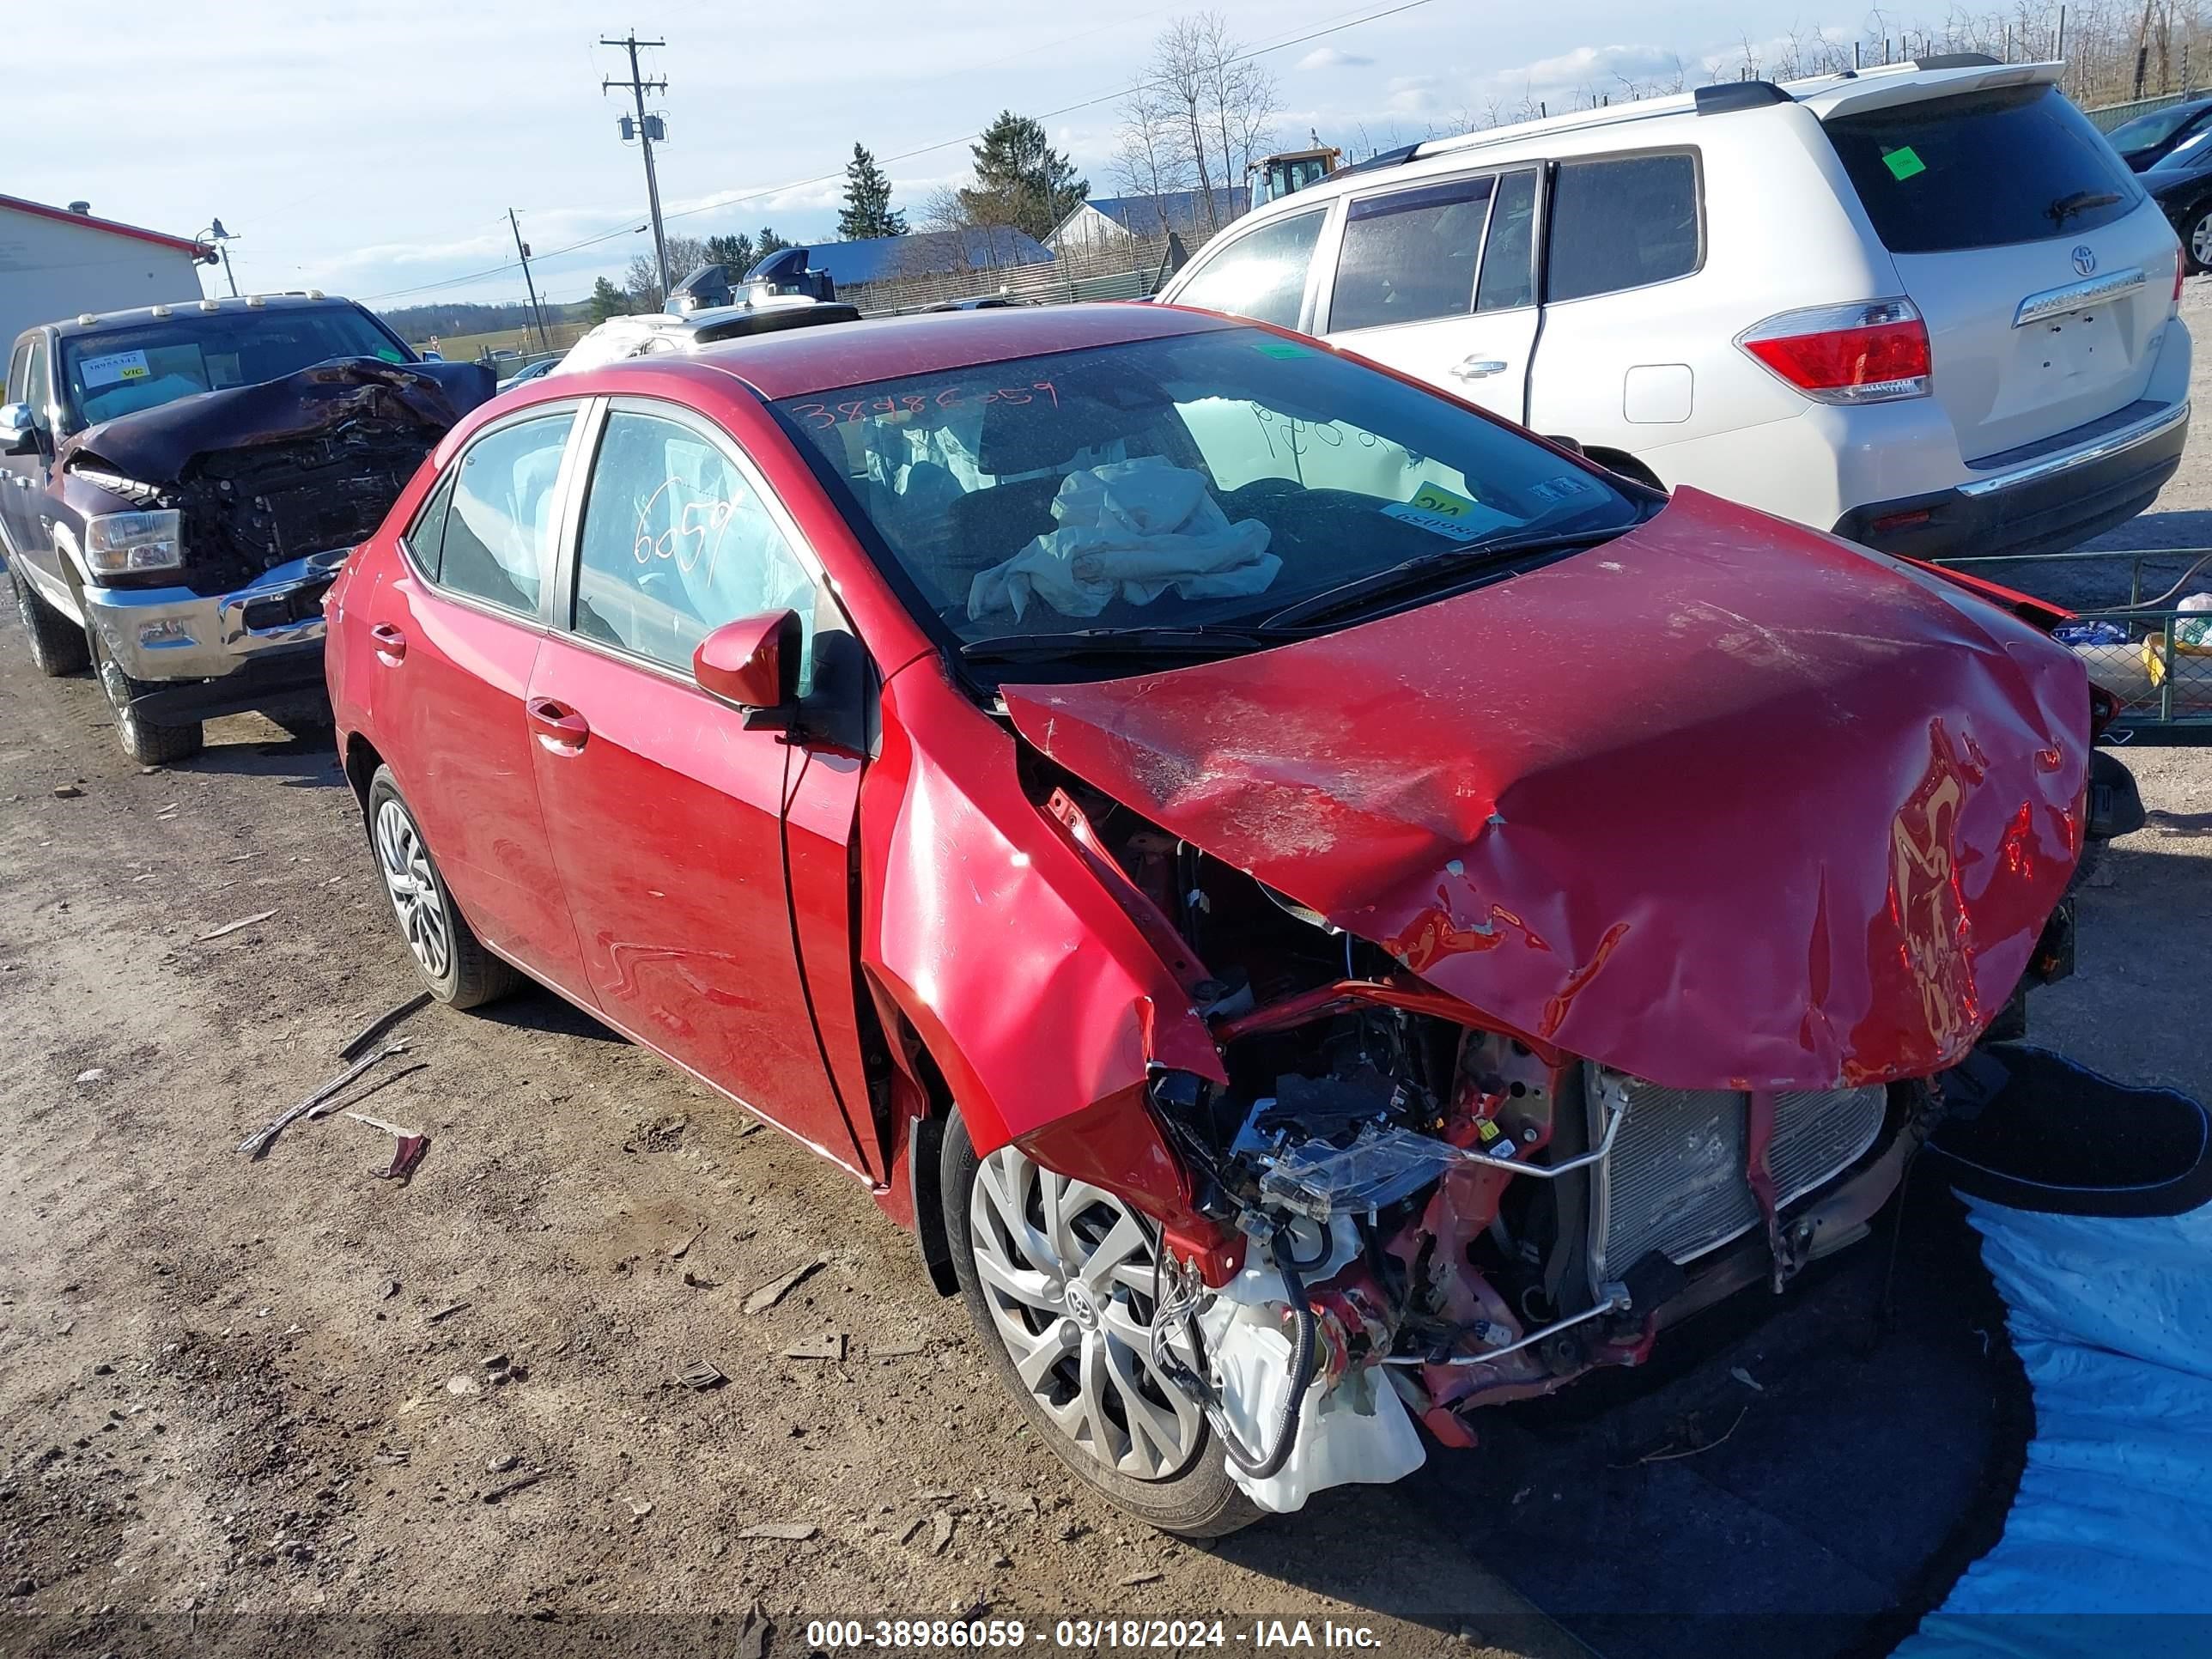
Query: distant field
{"x": 463, "y": 347}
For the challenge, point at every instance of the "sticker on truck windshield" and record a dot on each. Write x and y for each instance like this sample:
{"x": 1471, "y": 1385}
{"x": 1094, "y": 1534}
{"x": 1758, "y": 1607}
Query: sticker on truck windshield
{"x": 1903, "y": 163}
{"x": 114, "y": 369}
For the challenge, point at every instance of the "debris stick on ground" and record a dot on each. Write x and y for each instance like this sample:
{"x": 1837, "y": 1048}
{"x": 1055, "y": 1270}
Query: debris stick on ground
{"x": 259, "y": 1143}
{"x": 776, "y": 1289}
{"x": 234, "y": 927}
{"x": 357, "y": 1044}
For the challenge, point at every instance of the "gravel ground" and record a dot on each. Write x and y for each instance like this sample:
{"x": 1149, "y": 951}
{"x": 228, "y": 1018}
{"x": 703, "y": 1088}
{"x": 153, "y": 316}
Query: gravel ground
{"x": 251, "y": 1392}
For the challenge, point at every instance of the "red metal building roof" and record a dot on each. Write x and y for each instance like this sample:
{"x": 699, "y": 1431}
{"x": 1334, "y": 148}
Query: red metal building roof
{"x": 41, "y": 211}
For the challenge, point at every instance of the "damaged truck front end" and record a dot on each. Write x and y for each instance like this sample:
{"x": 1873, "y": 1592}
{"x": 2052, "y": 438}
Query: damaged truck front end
{"x": 1537, "y": 1013}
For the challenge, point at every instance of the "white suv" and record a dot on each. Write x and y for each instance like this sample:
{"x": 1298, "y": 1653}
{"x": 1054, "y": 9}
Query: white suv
{"x": 1925, "y": 306}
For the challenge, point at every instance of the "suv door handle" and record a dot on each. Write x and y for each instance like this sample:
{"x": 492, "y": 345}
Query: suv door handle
{"x": 1478, "y": 368}
{"x": 560, "y": 729}
{"x": 391, "y": 644}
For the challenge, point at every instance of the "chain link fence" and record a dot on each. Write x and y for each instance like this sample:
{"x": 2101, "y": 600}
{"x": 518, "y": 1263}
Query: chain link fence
{"x": 1129, "y": 270}
{"x": 2154, "y": 658}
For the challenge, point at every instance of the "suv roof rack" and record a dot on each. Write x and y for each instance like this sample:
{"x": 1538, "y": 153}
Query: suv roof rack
{"x": 1388, "y": 158}
{"x": 1739, "y": 94}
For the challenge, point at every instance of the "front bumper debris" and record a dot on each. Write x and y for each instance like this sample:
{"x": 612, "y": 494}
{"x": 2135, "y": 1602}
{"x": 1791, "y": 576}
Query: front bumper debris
{"x": 272, "y": 626}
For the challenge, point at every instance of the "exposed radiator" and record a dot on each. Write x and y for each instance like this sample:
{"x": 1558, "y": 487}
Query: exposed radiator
{"x": 1675, "y": 1181}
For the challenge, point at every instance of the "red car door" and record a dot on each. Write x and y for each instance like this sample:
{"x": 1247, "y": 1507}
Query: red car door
{"x": 456, "y": 631}
{"x": 667, "y": 818}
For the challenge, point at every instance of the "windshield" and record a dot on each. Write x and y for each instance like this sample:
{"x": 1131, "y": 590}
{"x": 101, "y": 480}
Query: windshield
{"x": 2152, "y": 129}
{"x": 121, "y": 371}
{"x": 1202, "y": 480}
{"x": 2186, "y": 156}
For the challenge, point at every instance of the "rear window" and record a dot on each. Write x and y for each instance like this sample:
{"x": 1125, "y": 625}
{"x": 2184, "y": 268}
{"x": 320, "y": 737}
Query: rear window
{"x": 2017, "y": 165}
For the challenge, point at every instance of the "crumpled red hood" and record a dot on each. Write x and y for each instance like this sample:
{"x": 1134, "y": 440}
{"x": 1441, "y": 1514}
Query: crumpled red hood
{"x": 1725, "y": 803}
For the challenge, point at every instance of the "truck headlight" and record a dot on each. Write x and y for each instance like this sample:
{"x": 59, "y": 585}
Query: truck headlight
{"x": 122, "y": 543}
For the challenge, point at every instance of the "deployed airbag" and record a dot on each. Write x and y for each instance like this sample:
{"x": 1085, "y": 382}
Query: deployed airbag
{"x": 1131, "y": 529}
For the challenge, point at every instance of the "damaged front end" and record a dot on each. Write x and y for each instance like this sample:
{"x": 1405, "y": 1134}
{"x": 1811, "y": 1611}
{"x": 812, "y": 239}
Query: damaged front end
{"x": 1547, "y": 1009}
{"x": 280, "y": 471}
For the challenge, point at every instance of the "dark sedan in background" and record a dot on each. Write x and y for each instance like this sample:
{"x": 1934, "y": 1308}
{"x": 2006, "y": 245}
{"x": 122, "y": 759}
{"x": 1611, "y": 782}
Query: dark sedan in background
{"x": 2149, "y": 139}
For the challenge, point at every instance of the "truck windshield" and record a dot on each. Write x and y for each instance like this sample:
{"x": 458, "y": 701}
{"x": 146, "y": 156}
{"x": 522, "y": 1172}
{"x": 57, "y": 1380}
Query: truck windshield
{"x": 120, "y": 371}
{"x": 1196, "y": 480}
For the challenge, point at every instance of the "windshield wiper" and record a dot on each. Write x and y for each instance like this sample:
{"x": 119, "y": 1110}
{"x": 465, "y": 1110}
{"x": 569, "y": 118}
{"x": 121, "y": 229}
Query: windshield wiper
{"x": 1461, "y": 557}
{"x": 1194, "y": 639}
{"x": 2079, "y": 201}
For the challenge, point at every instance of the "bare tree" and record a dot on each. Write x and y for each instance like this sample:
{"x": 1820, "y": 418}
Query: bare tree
{"x": 1209, "y": 104}
{"x": 1149, "y": 158}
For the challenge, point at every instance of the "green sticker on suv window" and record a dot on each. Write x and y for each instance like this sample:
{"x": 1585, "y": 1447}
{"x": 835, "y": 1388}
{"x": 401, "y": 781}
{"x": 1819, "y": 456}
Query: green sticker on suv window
{"x": 1277, "y": 348}
{"x": 1903, "y": 163}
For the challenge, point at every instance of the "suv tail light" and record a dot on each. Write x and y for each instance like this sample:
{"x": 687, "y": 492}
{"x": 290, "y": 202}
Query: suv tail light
{"x": 1854, "y": 353}
{"x": 2180, "y": 265}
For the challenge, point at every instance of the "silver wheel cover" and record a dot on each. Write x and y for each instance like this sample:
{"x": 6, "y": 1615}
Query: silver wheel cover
{"x": 414, "y": 891}
{"x": 1068, "y": 1272}
{"x": 2200, "y": 240}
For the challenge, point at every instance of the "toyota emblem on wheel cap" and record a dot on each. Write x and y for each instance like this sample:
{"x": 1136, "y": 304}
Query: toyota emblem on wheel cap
{"x": 2085, "y": 259}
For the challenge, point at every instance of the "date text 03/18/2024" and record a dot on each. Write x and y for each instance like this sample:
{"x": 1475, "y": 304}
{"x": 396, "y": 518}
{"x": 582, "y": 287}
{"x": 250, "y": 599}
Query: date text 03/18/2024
{"x": 1086, "y": 1635}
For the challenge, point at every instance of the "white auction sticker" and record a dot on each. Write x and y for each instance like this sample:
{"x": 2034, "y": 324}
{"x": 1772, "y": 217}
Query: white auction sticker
{"x": 114, "y": 369}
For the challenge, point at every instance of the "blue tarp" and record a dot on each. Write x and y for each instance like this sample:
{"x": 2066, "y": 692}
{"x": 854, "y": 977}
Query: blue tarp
{"x": 2112, "y": 1319}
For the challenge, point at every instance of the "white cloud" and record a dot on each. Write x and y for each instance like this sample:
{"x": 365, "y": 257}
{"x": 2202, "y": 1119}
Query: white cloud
{"x": 1321, "y": 57}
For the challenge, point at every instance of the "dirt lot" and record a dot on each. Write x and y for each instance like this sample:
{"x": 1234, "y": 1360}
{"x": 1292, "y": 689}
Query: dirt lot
{"x": 233, "y": 1392}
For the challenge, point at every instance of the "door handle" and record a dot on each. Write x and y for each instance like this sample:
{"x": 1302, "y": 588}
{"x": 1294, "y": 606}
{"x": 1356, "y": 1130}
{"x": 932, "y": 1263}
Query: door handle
{"x": 560, "y": 729}
{"x": 1479, "y": 368}
{"x": 391, "y": 644}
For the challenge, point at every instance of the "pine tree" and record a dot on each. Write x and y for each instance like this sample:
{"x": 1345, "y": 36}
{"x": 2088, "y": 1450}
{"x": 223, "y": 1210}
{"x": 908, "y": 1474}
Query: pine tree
{"x": 1021, "y": 180}
{"x": 735, "y": 254}
{"x": 607, "y": 300}
{"x": 868, "y": 212}
{"x": 768, "y": 242}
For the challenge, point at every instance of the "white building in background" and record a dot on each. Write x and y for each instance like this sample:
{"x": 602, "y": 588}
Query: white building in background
{"x": 57, "y": 262}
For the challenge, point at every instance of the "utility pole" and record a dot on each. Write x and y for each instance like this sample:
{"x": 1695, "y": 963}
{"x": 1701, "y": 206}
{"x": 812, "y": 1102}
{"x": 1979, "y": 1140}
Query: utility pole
{"x": 638, "y": 88}
{"x": 522, "y": 248}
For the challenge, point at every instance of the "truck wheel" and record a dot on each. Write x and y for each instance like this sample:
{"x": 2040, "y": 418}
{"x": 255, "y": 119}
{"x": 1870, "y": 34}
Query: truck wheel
{"x": 1057, "y": 1275}
{"x": 146, "y": 742}
{"x": 454, "y": 964}
{"x": 58, "y": 645}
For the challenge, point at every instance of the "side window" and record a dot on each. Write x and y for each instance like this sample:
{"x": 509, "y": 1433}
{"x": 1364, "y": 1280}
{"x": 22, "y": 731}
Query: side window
{"x": 427, "y": 532}
{"x": 676, "y": 542}
{"x": 1622, "y": 222}
{"x": 36, "y": 390}
{"x": 1507, "y": 278}
{"x": 1261, "y": 275}
{"x": 1410, "y": 256}
{"x": 500, "y": 527}
{"x": 19, "y": 371}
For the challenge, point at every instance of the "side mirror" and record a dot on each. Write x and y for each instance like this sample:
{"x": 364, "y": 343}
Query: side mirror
{"x": 18, "y": 433}
{"x": 754, "y": 663}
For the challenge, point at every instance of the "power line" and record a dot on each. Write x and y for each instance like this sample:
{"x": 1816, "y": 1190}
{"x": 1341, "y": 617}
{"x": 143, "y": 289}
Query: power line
{"x": 903, "y": 155}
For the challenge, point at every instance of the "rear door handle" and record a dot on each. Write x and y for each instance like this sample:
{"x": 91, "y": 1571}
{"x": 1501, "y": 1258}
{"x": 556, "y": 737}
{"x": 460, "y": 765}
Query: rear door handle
{"x": 391, "y": 644}
{"x": 560, "y": 729}
{"x": 1479, "y": 368}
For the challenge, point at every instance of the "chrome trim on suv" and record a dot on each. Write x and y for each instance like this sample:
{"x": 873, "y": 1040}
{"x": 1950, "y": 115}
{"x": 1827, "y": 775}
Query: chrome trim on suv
{"x": 2056, "y": 301}
{"x": 2097, "y": 449}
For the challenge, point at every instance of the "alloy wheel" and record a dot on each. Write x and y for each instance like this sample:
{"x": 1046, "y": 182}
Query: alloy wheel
{"x": 414, "y": 897}
{"x": 2200, "y": 240}
{"x": 1067, "y": 1271}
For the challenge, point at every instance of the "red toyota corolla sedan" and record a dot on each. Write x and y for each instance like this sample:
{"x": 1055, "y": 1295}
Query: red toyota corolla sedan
{"x": 1324, "y": 912}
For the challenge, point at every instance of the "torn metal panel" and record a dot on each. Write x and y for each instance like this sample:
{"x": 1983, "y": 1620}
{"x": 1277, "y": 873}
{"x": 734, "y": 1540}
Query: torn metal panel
{"x": 984, "y": 922}
{"x": 1724, "y": 803}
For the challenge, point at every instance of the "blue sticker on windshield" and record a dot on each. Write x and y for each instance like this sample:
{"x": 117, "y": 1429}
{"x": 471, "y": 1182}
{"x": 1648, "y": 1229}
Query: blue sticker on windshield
{"x": 1565, "y": 487}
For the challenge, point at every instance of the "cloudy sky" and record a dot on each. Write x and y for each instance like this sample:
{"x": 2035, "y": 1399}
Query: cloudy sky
{"x": 374, "y": 150}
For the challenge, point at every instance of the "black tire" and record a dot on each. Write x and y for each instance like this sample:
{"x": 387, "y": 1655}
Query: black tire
{"x": 470, "y": 975}
{"x": 145, "y": 741}
{"x": 2197, "y": 233}
{"x": 58, "y": 645}
{"x": 1199, "y": 1501}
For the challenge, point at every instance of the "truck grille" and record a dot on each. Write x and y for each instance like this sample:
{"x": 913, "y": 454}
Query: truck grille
{"x": 1675, "y": 1181}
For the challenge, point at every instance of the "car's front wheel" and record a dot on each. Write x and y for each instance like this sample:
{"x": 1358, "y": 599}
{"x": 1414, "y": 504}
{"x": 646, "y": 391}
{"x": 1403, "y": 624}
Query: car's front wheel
{"x": 2197, "y": 240}
{"x": 1058, "y": 1276}
{"x": 453, "y": 961}
{"x": 150, "y": 743}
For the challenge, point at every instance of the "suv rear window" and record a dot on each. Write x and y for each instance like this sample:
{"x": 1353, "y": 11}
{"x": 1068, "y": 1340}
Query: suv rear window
{"x": 2017, "y": 165}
